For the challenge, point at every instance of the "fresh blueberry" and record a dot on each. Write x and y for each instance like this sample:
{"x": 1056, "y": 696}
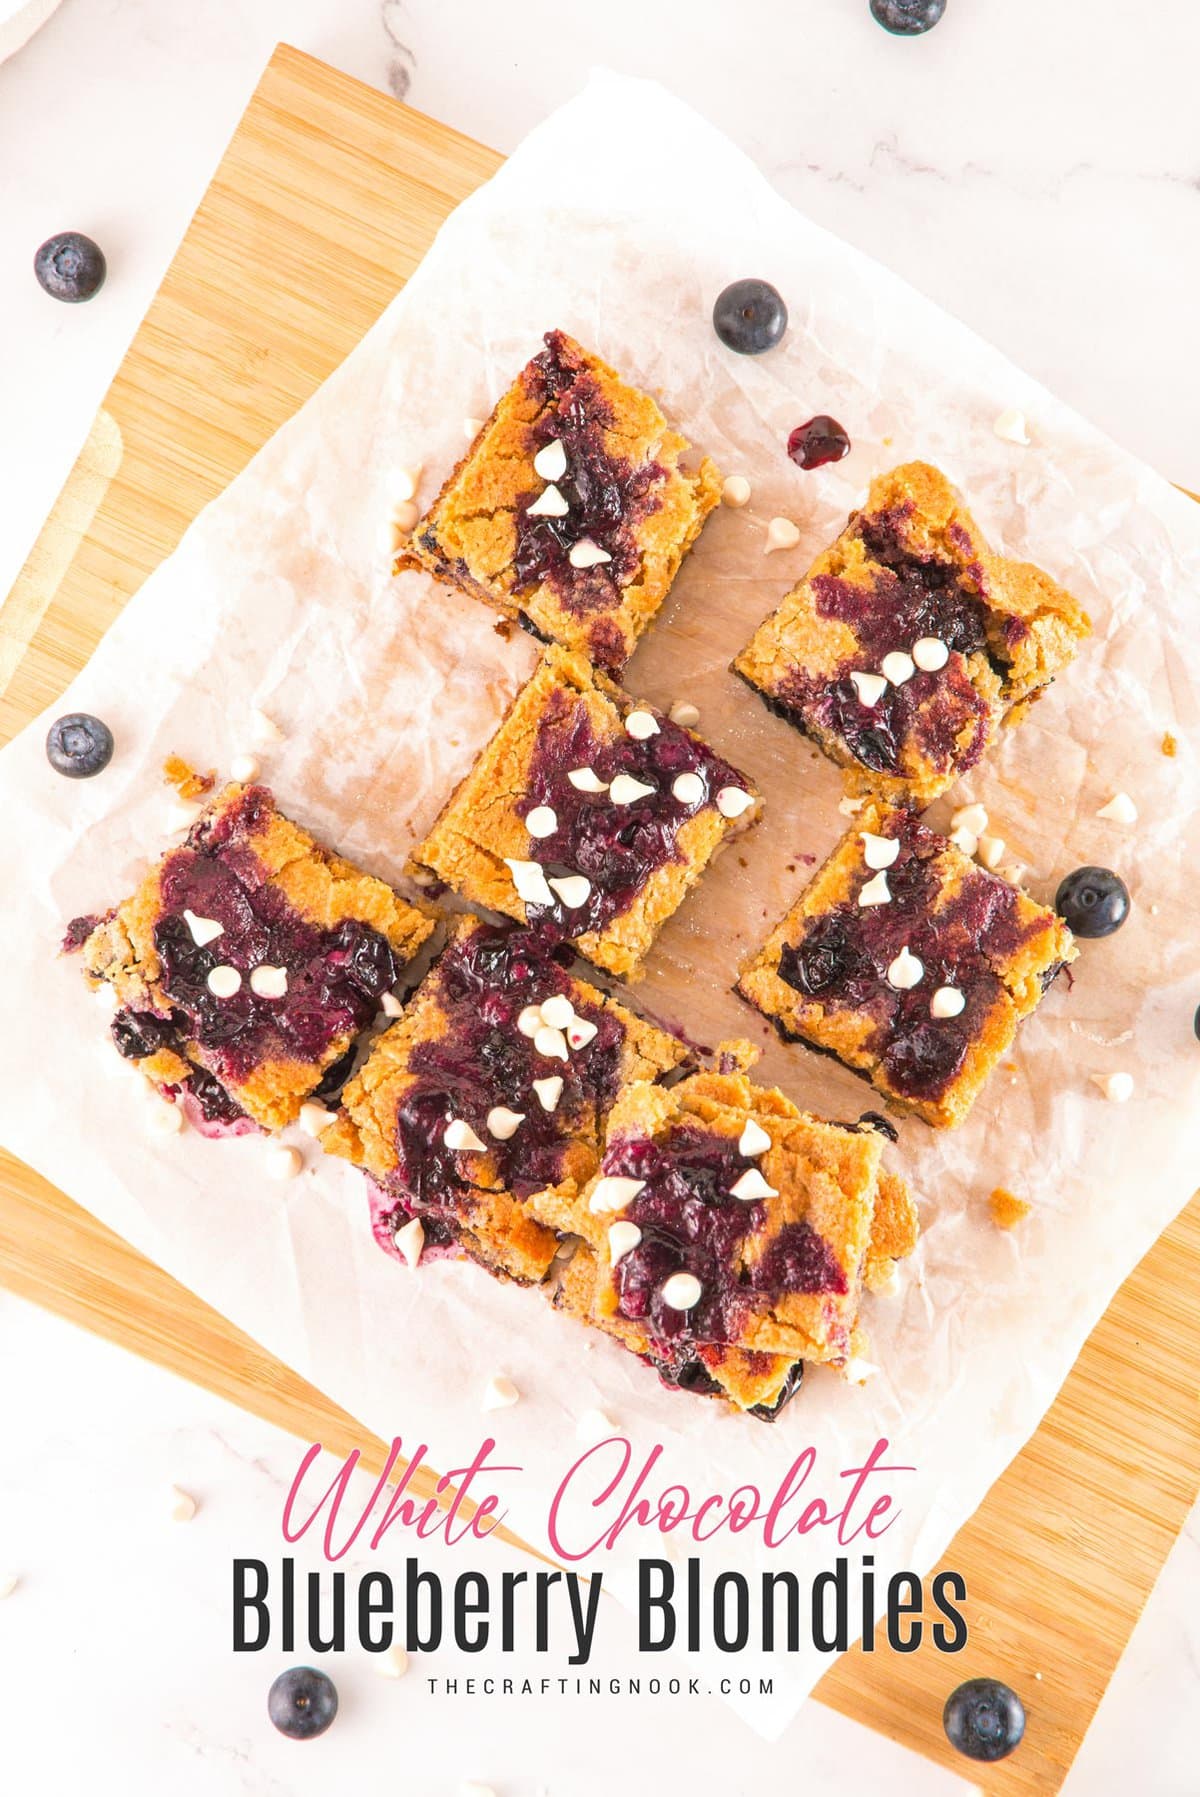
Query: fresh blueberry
{"x": 70, "y": 267}
{"x": 1196, "y": 1023}
{"x": 79, "y": 745}
{"x": 907, "y": 18}
{"x": 822, "y": 439}
{"x": 984, "y": 1719}
{"x": 302, "y": 1703}
{"x": 750, "y": 317}
{"x": 1093, "y": 901}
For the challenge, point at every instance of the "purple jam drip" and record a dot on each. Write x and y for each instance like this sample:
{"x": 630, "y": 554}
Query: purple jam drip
{"x": 607, "y": 496}
{"x": 941, "y": 715}
{"x": 482, "y": 983}
{"x": 841, "y": 961}
{"x": 818, "y": 442}
{"x": 690, "y": 1223}
{"x": 77, "y": 933}
{"x": 616, "y": 847}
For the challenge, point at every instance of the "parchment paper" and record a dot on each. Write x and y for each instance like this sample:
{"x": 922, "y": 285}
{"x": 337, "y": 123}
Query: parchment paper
{"x": 619, "y": 220}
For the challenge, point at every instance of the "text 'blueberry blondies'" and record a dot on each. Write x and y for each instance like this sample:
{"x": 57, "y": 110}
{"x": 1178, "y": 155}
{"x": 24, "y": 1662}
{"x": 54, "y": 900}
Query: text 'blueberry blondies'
{"x": 588, "y": 816}
{"x": 247, "y": 963}
{"x": 909, "y": 963}
{"x": 571, "y": 509}
{"x": 908, "y": 642}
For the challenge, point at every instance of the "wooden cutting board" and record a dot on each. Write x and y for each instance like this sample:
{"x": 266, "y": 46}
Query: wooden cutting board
{"x": 324, "y": 203}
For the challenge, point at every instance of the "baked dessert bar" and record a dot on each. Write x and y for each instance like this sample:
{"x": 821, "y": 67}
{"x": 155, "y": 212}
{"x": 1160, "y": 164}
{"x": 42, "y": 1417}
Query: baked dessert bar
{"x": 493, "y": 1088}
{"x": 908, "y": 642}
{"x": 589, "y": 815}
{"x": 730, "y": 1233}
{"x": 570, "y": 510}
{"x": 247, "y": 963}
{"x": 909, "y": 963}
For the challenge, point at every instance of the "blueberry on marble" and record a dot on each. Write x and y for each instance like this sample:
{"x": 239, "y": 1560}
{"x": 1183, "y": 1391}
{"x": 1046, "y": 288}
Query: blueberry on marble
{"x": 70, "y": 267}
{"x": 750, "y": 317}
{"x": 1092, "y": 901}
{"x": 302, "y": 1703}
{"x": 79, "y": 745}
{"x": 984, "y": 1719}
{"x": 907, "y": 18}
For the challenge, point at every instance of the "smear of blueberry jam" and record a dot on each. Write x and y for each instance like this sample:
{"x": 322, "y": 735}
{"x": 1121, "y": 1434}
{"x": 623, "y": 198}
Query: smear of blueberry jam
{"x": 842, "y": 958}
{"x": 77, "y": 933}
{"x": 607, "y": 496}
{"x": 690, "y": 1223}
{"x": 939, "y": 715}
{"x": 616, "y": 847}
{"x": 819, "y": 441}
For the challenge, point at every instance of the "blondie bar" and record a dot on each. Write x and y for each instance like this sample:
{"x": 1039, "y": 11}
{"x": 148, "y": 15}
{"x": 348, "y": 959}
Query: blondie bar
{"x": 908, "y": 642}
{"x": 247, "y": 963}
{"x": 589, "y": 815}
{"x": 909, "y": 963}
{"x": 571, "y": 510}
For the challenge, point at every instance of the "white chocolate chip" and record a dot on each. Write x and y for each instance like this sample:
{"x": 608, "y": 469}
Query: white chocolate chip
{"x": 503, "y": 1123}
{"x": 500, "y": 1393}
{"x": 8, "y": 1583}
{"x": 203, "y": 929}
{"x": 314, "y": 1119}
{"x": 472, "y": 427}
{"x": 685, "y": 713}
{"x": 965, "y": 841}
{"x": 530, "y": 1020}
{"x": 284, "y": 1163}
{"x": 897, "y": 667}
{"x": 990, "y": 850}
{"x": 264, "y": 731}
{"x": 850, "y": 807}
{"x": 393, "y": 1661}
{"x": 947, "y": 1001}
{"x": 876, "y": 891}
{"x": 584, "y": 779}
{"x": 269, "y": 982}
{"x": 732, "y": 801}
{"x": 1116, "y": 1087}
{"x": 181, "y": 1505}
{"x": 541, "y": 822}
{"x": 623, "y": 1238}
{"x": 614, "y": 1192}
{"x": 753, "y": 1139}
{"x": 551, "y": 1043}
{"x": 404, "y": 520}
{"x": 530, "y": 881}
{"x": 1011, "y": 427}
{"x": 549, "y": 1091}
{"x": 410, "y": 1239}
{"x": 586, "y": 554}
{"x": 459, "y": 1135}
{"x": 625, "y": 790}
{"x": 1120, "y": 809}
{"x": 594, "y": 1425}
{"x": 930, "y": 653}
{"x": 688, "y": 788}
{"x": 107, "y": 996}
{"x": 573, "y": 889}
{"x": 244, "y": 769}
{"x": 165, "y": 1118}
{"x": 781, "y": 534}
{"x": 549, "y": 504}
{"x": 182, "y": 816}
{"x": 970, "y": 817}
{"x": 1012, "y": 871}
{"x": 869, "y": 687}
{"x": 557, "y": 1011}
{"x": 682, "y": 1291}
{"x": 403, "y": 483}
{"x": 879, "y": 851}
{"x": 551, "y": 460}
{"x": 858, "y": 1371}
{"x": 641, "y": 725}
{"x": 580, "y": 1032}
{"x": 390, "y": 1005}
{"x": 735, "y": 491}
{"x": 389, "y": 537}
{"x": 224, "y": 982}
{"x": 752, "y": 1185}
{"x": 905, "y": 971}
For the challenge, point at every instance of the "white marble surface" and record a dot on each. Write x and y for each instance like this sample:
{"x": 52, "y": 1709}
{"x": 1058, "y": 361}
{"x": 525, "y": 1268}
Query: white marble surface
{"x": 1036, "y": 169}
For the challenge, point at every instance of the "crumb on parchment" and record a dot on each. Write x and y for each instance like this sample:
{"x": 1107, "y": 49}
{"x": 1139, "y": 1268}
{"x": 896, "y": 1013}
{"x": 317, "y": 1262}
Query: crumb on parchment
{"x": 1007, "y": 1209}
{"x": 1170, "y": 745}
{"x": 186, "y": 781}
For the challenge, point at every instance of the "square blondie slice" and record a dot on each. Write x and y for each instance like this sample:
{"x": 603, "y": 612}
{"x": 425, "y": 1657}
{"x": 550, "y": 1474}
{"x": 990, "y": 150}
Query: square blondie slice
{"x": 571, "y": 509}
{"x": 724, "y": 1216}
{"x": 589, "y": 815}
{"x": 247, "y": 963}
{"x": 908, "y": 642}
{"x": 493, "y": 1089}
{"x": 909, "y": 963}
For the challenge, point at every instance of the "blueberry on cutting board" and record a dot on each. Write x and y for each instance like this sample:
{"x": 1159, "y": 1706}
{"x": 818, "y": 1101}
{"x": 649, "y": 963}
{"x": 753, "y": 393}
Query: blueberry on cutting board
{"x": 750, "y": 317}
{"x": 302, "y": 1703}
{"x": 984, "y": 1719}
{"x": 79, "y": 745}
{"x": 70, "y": 267}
